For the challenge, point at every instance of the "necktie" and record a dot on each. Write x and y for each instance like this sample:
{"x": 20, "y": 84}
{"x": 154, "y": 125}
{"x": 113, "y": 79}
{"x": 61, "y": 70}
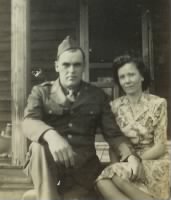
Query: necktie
{"x": 71, "y": 96}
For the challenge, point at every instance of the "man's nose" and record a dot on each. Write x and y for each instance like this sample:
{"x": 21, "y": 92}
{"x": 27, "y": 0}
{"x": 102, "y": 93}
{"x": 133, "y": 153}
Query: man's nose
{"x": 71, "y": 68}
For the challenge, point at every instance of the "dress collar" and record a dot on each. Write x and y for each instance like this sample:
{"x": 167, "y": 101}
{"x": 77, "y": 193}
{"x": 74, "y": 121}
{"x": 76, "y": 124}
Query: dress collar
{"x": 143, "y": 105}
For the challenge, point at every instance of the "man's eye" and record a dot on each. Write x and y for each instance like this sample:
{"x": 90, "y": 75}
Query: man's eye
{"x": 66, "y": 65}
{"x": 77, "y": 65}
{"x": 121, "y": 77}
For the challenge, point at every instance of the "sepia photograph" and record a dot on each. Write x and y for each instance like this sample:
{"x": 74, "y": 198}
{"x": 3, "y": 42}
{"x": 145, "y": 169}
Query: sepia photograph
{"x": 85, "y": 94}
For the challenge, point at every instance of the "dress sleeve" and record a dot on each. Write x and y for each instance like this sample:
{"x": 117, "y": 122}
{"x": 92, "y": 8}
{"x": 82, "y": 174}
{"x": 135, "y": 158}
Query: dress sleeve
{"x": 160, "y": 115}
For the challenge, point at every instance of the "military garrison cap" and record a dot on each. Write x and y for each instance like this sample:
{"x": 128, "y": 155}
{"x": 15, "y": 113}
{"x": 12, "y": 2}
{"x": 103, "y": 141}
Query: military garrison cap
{"x": 66, "y": 44}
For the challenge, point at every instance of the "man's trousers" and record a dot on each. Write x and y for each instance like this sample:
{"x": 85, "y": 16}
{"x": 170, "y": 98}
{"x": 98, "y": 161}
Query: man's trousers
{"x": 52, "y": 181}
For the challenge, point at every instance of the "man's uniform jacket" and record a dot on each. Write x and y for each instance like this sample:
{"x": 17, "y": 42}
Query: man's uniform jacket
{"x": 49, "y": 108}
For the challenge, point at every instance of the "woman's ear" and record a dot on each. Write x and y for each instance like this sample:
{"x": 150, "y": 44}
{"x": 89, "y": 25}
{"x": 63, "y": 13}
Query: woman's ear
{"x": 142, "y": 78}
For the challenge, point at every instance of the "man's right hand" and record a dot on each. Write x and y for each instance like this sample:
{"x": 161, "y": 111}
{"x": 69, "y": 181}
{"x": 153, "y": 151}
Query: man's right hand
{"x": 60, "y": 149}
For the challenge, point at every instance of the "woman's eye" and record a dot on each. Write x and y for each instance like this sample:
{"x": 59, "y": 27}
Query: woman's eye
{"x": 131, "y": 74}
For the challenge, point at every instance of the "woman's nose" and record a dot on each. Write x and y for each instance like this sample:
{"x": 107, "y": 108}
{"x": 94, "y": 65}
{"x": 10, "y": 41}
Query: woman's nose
{"x": 127, "y": 79}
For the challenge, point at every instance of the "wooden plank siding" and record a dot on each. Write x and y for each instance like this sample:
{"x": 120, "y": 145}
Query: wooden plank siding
{"x": 51, "y": 21}
{"x": 5, "y": 59}
{"x": 161, "y": 43}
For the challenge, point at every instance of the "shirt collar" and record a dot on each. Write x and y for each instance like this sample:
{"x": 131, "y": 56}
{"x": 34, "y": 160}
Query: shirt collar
{"x": 66, "y": 91}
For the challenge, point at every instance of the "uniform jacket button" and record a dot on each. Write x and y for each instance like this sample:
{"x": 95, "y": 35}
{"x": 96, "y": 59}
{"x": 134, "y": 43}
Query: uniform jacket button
{"x": 91, "y": 112}
{"x": 71, "y": 112}
{"x": 70, "y": 125}
{"x": 50, "y": 111}
{"x": 69, "y": 136}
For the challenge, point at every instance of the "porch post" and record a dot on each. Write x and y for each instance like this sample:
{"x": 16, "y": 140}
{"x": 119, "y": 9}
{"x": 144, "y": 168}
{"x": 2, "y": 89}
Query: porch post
{"x": 84, "y": 35}
{"x": 147, "y": 41}
{"x": 20, "y": 58}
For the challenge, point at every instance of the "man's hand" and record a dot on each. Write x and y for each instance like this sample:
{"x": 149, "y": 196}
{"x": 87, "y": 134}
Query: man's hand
{"x": 137, "y": 167}
{"x": 60, "y": 149}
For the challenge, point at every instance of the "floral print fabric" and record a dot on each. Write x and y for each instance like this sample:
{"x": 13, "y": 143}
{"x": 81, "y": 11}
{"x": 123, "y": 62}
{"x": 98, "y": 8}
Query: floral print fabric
{"x": 145, "y": 124}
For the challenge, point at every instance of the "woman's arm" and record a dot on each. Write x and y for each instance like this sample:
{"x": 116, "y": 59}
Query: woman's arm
{"x": 154, "y": 152}
{"x": 160, "y": 134}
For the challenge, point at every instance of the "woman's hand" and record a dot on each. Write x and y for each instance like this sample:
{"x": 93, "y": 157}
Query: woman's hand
{"x": 137, "y": 167}
{"x": 122, "y": 170}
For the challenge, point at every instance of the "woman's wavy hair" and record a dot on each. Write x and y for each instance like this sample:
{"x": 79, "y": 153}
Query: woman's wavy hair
{"x": 125, "y": 59}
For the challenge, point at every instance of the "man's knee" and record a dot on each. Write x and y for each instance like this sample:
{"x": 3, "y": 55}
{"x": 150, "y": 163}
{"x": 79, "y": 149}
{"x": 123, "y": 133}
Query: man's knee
{"x": 29, "y": 195}
{"x": 39, "y": 156}
{"x": 39, "y": 151}
{"x": 35, "y": 155}
{"x": 36, "y": 148}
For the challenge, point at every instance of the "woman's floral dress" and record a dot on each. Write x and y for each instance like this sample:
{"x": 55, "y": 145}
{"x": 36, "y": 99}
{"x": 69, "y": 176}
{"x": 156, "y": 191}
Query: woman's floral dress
{"x": 145, "y": 125}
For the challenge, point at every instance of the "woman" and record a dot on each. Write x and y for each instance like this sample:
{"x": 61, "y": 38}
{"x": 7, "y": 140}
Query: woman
{"x": 142, "y": 117}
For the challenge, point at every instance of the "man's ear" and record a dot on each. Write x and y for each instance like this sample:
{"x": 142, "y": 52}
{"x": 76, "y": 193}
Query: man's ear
{"x": 56, "y": 66}
{"x": 84, "y": 66}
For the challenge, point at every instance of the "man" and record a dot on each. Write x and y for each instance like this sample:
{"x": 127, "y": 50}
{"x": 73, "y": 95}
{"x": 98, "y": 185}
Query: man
{"x": 60, "y": 119}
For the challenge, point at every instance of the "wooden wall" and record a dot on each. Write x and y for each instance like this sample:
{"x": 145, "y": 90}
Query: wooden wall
{"x": 161, "y": 41}
{"x": 161, "y": 31}
{"x": 5, "y": 62}
{"x": 51, "y": 21}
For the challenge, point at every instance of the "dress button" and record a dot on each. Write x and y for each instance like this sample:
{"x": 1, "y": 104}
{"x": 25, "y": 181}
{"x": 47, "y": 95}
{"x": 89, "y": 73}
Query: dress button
{"x": 69, "y": 136}
{"x": 70, "y": 125}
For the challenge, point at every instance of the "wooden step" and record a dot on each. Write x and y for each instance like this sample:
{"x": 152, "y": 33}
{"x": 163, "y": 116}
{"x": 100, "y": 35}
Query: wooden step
{"x": 16, "y": 186}
{"x": 13, "y": 183}
{"x": 12, "y": 194}
{"x": 13, "y": 178}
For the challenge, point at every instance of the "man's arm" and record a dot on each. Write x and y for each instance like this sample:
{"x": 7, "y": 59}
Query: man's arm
{"x": 33, "y": 125}
{"x": 37, "y": 130}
